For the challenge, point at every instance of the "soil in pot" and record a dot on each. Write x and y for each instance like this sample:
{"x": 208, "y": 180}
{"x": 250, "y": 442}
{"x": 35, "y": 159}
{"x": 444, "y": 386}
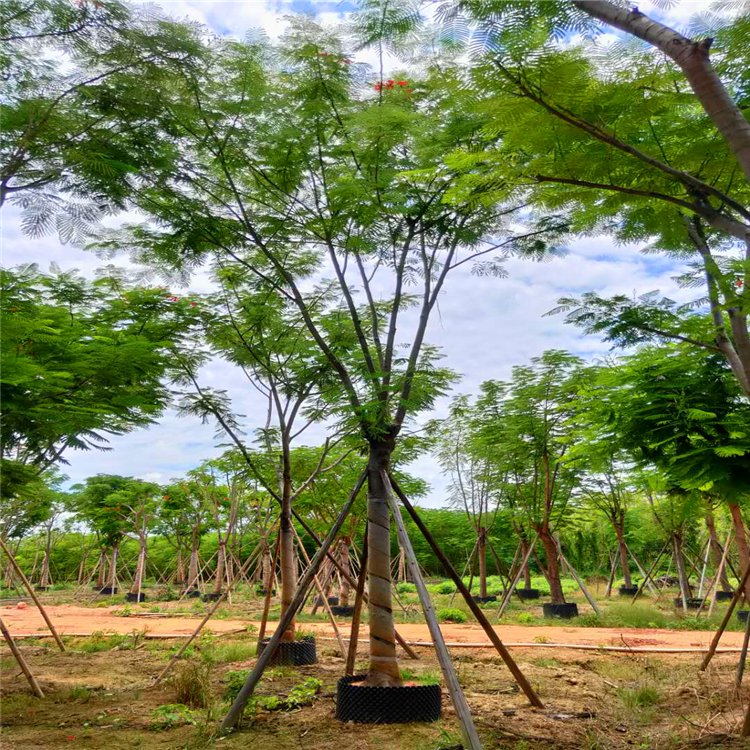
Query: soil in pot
{"x": 484, "y": 599}
{"x": 628, "y": 590}
{"x": 692, "y": 603}
{"x": 565, "y": 611}
{"x": 404, "y": 704}
{"x": 528, "y": 593}
{"x": 292, "y": 653}
{"x": 341, "y": 611}
{"x": 133, "y": 597}
{"x": 724, "y": 596}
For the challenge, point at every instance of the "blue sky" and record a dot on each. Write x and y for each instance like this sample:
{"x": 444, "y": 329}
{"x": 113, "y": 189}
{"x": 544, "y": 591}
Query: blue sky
{"x": 484, "y": 325}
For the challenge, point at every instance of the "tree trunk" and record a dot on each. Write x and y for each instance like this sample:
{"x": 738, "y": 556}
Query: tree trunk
{"x": 345, "y": 589}
{"x": 44, "y": 575}
{"x": 287, "y": 557}
{"x": 137, "y": 584}
{"x": 482, "y": 555}
{"x": 179, "y": 574}
{"x": 742, "y": 548}
{"x": 716, "y": 551}
{"x": 193, "y": 571}
{"x": 383, "y": 667}
{"x": 113, "y": 567}
{"x": 679, "y": 559}
{"x": 402, "y": 574}
{"x": 102, "y": 569}
{"x": 267, "y": 577}
{"x": 624, "y": 562}
{"x": 552, "y": 568}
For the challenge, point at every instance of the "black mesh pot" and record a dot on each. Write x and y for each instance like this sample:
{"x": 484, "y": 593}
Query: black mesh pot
{"x": 108, "y": 590}
{"x": 292, "y": 653}
{"x": 724, "y": 596}
{"x": 484, "y": 599}
{"x": 192, "y": 594}
{"x": 212, "y": 596}
{"x": 386, "y": 705}
{"x": 528, "y": 593}
{"x": 742, "y": 614}
{"x": 341, "y": 611}
{"x": 565, "y": 611}
{"x": 41, "y": 588}
{"x": 333, "y": 600}
{"x": 691, "y": 603}
{"x": 628, "y": 590}
{"x": 131, "y": 597}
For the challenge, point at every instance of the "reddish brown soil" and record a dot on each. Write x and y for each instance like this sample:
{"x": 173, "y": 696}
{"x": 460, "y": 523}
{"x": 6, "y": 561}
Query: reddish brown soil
{"x": 73, "y": 620}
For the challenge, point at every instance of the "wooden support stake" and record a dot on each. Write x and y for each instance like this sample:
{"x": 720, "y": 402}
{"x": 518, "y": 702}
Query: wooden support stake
{"x": 235, "y": 711}
{"x": 517, "y": 577}
{"x": 612, "y": 571}
{"x": 520, "y": 678}
{"x": 32, "y": 593}
{"x": 267, "y": 595}
{"x": 578, "y": 579}
{"x": 357, "y": 615}
{"x": 717, "y": 579}
{"x": 743, "y": 656}
{"x": 727, "y": 615}
{"x": 446, "y": 664}
{"x": 646, "y": 576}
{"x": 21, "y": 661}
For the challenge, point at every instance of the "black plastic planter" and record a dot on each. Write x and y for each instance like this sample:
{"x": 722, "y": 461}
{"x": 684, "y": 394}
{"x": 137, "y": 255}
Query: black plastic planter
{"x": 108, "y": 590}
{"x": 192, "y": 594}
{"x": 742, "y": 614}
{"x": 484, "y": 599}
{"x": 333, "y": 600}
{"x": 292, "y": 653}
{"x": 628, "y": 590}
{"x": 564, "y": 611}
{"x": 691, "y": 603}
{"x": 341, "y": 611}
{"x": 133, "y": 597}
{"x": 528, "y": 593}
{"x": 386, "y": 705}
{"x": 724, "y": 596}
{"x": 212, "y": 596}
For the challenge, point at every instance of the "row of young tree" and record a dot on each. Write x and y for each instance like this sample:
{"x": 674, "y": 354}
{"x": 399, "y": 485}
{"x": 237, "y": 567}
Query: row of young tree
{"x": 330, "y": 205}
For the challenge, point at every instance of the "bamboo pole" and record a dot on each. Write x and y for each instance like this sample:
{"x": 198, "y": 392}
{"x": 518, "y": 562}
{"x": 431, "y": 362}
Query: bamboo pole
{"x": 646, "y": 576}
{"x": 357, "y": 614}
{"x": 743, "y": 656}
{"x": 722, "y": 627}
{"x": 32, "y": 593}
{"x": 267, "y": 595}
{"x": 320, "y": 591}
{"x": 520, "y": 678}
{"x": 446, "y": 664}
{"x": 517, "y": 577}
{"x": 612, "y": 571}
{"x": 722, "y": 565}
{"x": 235, "y": 711}
{"x": 21, "y": 661}
{"x": 577, "y": 579}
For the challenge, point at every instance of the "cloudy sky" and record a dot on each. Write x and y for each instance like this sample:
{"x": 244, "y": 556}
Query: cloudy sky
{"x": 484, "y": 326}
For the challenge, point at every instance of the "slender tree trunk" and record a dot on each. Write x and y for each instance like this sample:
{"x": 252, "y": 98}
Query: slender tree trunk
{"x": 679, "y": 558}
{"x": 741, "y": 538}
{"x": 345, "y": 589}
{"x": 140, "y": 566}
{"x": 716, "y": 551}
{"x": 267, "y": 578}
{"x": 179, "y": 574}
{"x": 383, "y": 667}
{"x": 552, "y": 568}
{"x": 113, "y": 567}
{"x": 193, "y": 564}
{"x": 402, "y": 572}
{"x": 482, "y": 556}
{"x": 44, "y": 575}
{"x": 102, "y": 569}
{"x": 287, "y": 557}
{"x": 523, "y": 556}
{"x": 624, "y": 562}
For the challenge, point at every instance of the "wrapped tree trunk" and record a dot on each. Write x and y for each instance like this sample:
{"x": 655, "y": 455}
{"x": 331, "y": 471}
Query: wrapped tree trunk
{"x": 552, "y": 568}
{"x": 221, "y": 555}
{"x": 44, "y": 579}
{"x": 287, "y": 556}
{"x": 140, "y": 566}
{"x": 113, "y": 567}
{"x": 383, "y": 668}
{"x": 716, "y": 551}
{"x": 524, "y": 556}
{"x": 267, "y": 577}
{"x": 179, "y": 574}
{"x": 193, "y": 564}
{"x": 401, "y": 565}
{"x": 742, "y": 548}
{"x": 679, "y": 558}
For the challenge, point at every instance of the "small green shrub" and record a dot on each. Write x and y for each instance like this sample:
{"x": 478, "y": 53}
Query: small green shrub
{"x": 643, "y": 696}
{"x": 446, "y": 587}
{"x": 234, "y": 680}
{"x": 525, "y": 618}
{"x": 192, "y": 684}
{"x": 171, "y": 715}
{"x": 406, "y": 588}
{"x": 79, "y": 693}
{"x": 451, "y": 615}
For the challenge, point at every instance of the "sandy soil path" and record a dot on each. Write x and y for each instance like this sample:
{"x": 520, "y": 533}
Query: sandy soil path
{"x": 73, "y": 620}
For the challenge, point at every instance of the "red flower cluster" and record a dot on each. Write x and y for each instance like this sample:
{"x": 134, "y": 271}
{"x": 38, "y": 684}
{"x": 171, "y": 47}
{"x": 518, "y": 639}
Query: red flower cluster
{"x": 391, "y": 84}
{"x": 172, "y": 299}
{"x": 739, "y": 283}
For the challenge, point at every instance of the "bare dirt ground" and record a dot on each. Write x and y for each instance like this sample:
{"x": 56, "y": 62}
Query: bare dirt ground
{"x": 80, "y": 621}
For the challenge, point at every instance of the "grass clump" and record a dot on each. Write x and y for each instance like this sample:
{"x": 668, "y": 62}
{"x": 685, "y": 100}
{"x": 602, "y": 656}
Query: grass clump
{"x": 639, "y": 698}
{"x": 407, "y": 588}
{"x": 192, "y": 684}
{"x": 422, "y": 678}
{"x": 451, "y": 615}
{"x": 226, "y": 653}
